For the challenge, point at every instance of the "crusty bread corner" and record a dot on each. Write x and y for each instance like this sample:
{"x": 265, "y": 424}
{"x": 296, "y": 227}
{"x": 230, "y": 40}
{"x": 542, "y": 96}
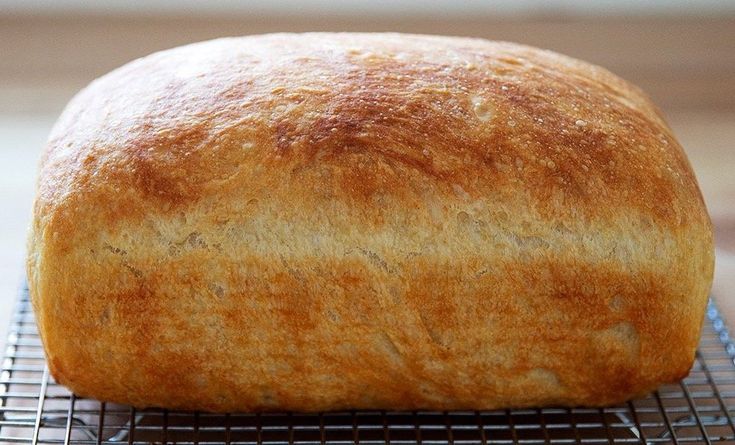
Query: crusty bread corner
{"x": 328, "y": 221}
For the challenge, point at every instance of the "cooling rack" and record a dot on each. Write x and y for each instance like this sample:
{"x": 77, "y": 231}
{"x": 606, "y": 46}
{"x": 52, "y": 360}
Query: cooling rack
{"x": 35, "y": 410}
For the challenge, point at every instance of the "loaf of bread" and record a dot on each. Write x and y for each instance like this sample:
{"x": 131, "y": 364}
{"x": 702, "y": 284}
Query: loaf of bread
{"x": 353, "y": 221}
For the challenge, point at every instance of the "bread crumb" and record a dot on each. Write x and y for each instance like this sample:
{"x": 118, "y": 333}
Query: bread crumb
{"x": 217, "y": 289}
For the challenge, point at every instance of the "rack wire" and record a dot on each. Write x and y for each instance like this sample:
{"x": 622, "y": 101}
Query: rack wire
{"x": 35, "y": 410}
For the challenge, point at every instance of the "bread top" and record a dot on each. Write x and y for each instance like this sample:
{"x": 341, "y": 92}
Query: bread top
{"x": 371, "y": 124}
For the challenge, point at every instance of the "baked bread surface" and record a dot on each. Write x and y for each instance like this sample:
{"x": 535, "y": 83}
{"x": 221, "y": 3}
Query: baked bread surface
{"x": 337, "y": 221}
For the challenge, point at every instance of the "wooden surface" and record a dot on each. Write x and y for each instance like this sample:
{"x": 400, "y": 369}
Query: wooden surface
{"x": 688, "y": 67}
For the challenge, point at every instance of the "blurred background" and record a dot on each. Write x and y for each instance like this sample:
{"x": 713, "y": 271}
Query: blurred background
{"x": 682, "y": 52}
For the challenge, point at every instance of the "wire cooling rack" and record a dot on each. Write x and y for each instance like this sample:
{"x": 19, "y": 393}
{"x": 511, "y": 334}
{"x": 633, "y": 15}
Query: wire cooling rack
{"x": 34, "y": 409}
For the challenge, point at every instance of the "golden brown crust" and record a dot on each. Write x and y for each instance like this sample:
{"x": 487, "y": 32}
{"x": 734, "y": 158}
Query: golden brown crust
{"x": 324, "y": 221}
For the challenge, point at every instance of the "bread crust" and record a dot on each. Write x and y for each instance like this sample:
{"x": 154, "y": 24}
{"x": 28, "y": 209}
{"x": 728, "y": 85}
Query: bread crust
{"x": 332, "y": 221}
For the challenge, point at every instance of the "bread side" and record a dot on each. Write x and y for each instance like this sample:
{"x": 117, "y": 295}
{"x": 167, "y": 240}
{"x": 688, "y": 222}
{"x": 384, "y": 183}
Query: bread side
{"x": 328, "y": 221}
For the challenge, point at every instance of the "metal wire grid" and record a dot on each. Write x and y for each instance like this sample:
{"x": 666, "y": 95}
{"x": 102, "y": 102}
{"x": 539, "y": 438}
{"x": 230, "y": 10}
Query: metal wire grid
{"x": 34, "y": 409}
